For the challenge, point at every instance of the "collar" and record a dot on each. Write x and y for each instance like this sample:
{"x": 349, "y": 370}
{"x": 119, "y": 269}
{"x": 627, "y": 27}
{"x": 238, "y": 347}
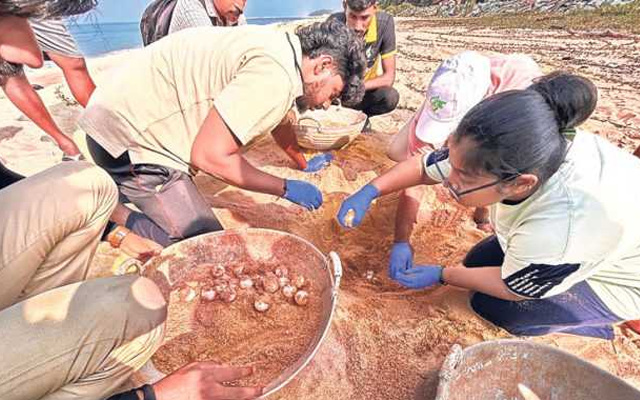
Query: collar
{"x": 372, "y": 32}
{"x": 294, "y": 41}
{"x": 211, "y": 9}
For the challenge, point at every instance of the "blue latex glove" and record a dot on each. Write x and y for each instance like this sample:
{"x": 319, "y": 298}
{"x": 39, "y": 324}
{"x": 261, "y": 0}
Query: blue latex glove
{"x": 420, "y": 276}
{"x": 303, "y": 193}
{"x": 359, "y": 202}
{"x": 401, "y": 259}
{"x": 319, "y": 162}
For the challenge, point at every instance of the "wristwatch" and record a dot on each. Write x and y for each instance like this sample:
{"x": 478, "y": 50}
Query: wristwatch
{"x": 116, "y": 236}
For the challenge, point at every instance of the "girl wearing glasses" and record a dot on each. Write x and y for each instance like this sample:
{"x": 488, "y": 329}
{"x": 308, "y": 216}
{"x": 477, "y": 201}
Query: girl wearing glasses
{"x": 565, "y": 256}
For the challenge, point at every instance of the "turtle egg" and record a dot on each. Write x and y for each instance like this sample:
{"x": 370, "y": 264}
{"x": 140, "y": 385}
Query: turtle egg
{"x": 261, "y": 306}
{"x": 283, "y": 281}
{"x": 289, "y": 291}
{"x": 208, "y": 294}
{"x": 302, "y": 298}
{"x": 189, "y": 295}
{"x": 229, "y": 296}
{"x": 271, "y": 284}
{"x": 299, "y": 281}
{"x": 281, "y": 271}
{"x": 246, "y": 282}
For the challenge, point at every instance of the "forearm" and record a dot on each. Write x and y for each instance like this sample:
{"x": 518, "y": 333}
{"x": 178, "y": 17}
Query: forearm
{"x": 385, "y": 80}
{"x": 237, "y": 171}
{"x": 485, "y": 280}
{"x": 285, "y": 136}
{"x": 407, "y": 213}
{"x": 404, "y": 175}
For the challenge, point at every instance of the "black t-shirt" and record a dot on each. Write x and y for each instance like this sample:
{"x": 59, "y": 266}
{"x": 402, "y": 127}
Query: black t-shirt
{"x": 380, "y": 39}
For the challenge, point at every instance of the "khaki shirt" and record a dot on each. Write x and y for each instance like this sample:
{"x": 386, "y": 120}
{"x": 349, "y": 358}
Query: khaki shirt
{"x": 154, "y": 106}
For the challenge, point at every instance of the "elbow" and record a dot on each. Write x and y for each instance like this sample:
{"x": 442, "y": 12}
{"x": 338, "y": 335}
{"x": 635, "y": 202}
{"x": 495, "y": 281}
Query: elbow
{"x": 34, "y": 61}
{"x": 210, "y": 163}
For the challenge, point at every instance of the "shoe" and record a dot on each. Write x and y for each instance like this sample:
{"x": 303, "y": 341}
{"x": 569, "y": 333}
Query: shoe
{"x": 77, "y": 157}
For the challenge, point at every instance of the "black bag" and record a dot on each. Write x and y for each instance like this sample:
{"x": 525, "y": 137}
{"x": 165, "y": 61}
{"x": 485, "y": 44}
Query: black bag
{"x": 156, "y": 20}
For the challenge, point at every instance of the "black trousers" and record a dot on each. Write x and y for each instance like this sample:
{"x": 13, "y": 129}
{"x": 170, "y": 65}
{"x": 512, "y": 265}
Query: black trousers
{"x": 578, "y": 311}
{"x": 379, "y": 101}
{"x": 8, "y": 177}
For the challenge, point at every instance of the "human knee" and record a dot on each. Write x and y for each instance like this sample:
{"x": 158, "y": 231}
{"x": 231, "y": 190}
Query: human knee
{"x": 395, "y": 153}
{"x": 147, "y": 304}
{"x": 391, "y": 99}
{"x": 73, "y": 64}
{"x": 487, "y": 308}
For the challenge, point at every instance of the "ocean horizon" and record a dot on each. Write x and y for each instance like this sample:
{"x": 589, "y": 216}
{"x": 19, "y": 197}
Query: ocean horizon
{"x": 98, "y": 39}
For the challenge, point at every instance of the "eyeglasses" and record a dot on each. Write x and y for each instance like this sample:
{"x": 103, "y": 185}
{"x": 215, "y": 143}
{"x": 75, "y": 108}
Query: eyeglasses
{"x": 456, "y": 193}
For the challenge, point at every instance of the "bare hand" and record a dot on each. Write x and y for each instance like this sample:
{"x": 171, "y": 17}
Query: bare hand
{"x": 139, "y": 247}
{"x": 205, "y": 381}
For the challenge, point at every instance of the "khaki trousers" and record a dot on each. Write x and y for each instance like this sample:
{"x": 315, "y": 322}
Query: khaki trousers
{"x": 62, "y": 337}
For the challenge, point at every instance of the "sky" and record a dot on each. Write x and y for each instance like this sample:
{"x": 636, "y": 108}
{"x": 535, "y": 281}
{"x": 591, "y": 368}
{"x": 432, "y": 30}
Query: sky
{"x": 116, "y": 11}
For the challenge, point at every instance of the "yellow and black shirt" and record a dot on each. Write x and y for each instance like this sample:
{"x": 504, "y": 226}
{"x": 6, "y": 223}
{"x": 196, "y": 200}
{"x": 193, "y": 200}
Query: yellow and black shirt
{"x": 380, "y": 41}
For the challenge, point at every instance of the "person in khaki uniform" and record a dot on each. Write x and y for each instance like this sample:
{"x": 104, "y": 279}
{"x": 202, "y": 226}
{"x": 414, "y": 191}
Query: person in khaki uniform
{"x": 64, "y": 337}
{"x": 191, "y": 102}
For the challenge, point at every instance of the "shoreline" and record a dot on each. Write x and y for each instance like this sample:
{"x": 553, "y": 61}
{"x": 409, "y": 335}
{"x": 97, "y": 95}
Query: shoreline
{"x": 372, "y": 315}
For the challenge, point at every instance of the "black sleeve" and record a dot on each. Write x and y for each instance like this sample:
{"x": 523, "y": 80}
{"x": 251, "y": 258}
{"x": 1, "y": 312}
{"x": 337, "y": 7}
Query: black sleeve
{"x": 538, "y": 279}
{"x": 388, "y": 37}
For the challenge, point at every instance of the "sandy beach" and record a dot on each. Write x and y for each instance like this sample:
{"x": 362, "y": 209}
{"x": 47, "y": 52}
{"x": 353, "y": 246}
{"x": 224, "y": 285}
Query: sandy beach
{"x": 386, "y": 342}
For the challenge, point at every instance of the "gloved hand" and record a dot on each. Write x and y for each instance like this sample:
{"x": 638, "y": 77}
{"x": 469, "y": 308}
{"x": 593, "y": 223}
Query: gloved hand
{"x": 359, "y": 202}
{"x": 302, "y": 193}
{"x": 319, "y": 162}
{"x": 420, "y": 277}
{"x": 401, "y": 259}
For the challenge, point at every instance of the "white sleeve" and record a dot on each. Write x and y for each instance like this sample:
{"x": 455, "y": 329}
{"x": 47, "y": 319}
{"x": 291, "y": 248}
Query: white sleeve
{"x": 436, "y": 164}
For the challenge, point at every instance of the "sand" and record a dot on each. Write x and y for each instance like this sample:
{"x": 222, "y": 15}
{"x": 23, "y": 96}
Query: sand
{"x": 387, "y": 342}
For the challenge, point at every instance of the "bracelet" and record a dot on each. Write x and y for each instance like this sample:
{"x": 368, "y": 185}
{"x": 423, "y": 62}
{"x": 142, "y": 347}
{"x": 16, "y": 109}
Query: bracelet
{"x": 116, "y": 237}
{"x": 149, "y": 393}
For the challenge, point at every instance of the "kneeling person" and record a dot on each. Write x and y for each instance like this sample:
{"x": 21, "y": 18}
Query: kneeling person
{"x": 377, "y": 28}
{"x": 193, "y": 100}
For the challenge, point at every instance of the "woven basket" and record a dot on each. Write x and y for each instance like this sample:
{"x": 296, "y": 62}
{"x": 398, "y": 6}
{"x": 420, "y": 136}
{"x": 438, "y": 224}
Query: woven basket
{"x": 329, "y": 129}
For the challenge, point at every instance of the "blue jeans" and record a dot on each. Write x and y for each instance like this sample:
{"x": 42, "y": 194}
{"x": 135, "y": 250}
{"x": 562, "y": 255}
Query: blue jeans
{"x": 577, "y": 311}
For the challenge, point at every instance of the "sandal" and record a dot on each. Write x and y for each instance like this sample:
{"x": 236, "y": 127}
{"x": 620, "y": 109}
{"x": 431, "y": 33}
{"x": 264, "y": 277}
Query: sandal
{"x": 77, "y": 157}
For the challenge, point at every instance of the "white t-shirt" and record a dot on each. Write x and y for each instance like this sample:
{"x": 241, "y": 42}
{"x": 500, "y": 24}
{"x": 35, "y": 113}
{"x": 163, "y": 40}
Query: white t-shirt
{"x": 582, "y": 224}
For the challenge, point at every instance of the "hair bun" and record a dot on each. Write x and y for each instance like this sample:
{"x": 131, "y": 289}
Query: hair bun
{"x": 572, "y": 98}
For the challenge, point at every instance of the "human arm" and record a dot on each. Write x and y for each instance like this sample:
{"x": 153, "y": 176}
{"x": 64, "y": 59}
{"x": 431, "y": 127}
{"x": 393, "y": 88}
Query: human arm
{"x": 198, "y": 381}
{"x": 285, "y": 137}
{"x": 406, "y": 174}
{"x": 18, "y": 43}
{"x": 486, "y": 280}
{"x": 217, "y": 152}
{"x": 388, "y": 77}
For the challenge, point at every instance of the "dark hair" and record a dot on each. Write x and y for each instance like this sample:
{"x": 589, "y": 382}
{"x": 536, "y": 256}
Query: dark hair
{"x": 45, "y": 8}
{"x": 347, "y": 49}
{"x": 523, "y": 131}
{"x": 360, "y": 5}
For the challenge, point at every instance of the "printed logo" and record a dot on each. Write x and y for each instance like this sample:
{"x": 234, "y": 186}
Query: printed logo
{"x": 437, "y": 104}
